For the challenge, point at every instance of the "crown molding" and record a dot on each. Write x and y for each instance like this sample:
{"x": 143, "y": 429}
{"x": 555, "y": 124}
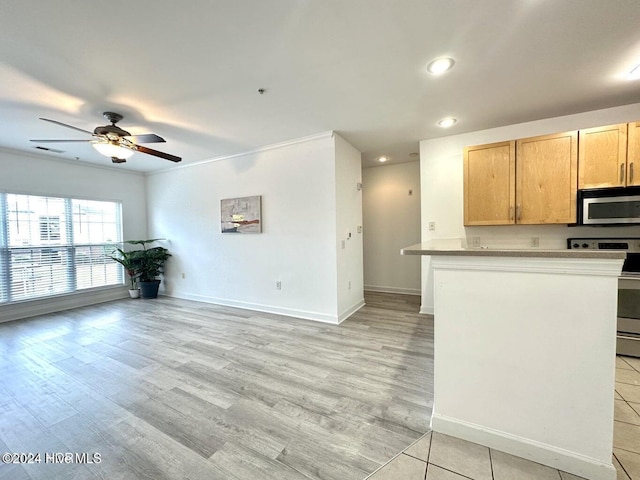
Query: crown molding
{"x": 75, "y": 163}
{"x": 274, "y": 146}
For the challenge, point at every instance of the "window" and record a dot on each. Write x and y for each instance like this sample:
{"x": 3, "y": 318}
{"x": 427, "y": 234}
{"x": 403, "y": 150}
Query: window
{"x": 49, "y": 228}
{"x": 51, "y": 245}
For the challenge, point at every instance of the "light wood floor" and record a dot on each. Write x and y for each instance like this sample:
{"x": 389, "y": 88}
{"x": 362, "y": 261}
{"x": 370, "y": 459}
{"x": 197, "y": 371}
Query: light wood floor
{"x": 166, "y": 389}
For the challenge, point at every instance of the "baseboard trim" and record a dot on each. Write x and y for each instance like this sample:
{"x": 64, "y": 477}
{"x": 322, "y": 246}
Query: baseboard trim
{"x": 59, "y": 303}
{"x": 401, "y": 291}
{"x": 351, "y": 310}
{"x": 427, "y": 309}
{"x": 287, "y": 312}
{"x": 564, "y": 460}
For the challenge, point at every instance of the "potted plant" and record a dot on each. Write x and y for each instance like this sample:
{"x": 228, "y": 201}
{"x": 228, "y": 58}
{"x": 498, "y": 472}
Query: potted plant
{"x": 149, "y": 265}
{"x": 130, "y": 261}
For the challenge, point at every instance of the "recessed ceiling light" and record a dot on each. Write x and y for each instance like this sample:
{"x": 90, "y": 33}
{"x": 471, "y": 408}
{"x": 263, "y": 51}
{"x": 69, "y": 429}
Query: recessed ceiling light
{"x": 634, "y": 74}
{"x": 447, "y": 122}
{"x": 440, "y": 65}
{"x": 382, "y": 159}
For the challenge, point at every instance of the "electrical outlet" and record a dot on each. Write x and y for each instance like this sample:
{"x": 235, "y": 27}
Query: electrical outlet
{"x": 343, "y": 244}
{"x": 475, "y": 241}
{"x": 432, "y": 225}
{"x": 535, "y": 242}
{"x": 278, "y": 285}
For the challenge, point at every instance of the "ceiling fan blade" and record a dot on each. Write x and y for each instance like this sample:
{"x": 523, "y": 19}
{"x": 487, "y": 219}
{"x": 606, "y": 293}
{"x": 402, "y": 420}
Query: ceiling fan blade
{"x": 59, "y": 141}
{"x": 145, "y": 138}
{"x": 156, "y": 153}
{"x": 65, "y": 125}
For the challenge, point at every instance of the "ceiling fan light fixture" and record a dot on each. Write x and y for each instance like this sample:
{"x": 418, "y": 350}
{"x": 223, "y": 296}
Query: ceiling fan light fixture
{"x": 112, "y": 149}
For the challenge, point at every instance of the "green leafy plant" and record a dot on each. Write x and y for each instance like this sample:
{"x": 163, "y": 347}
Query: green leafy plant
{"x": 130, "y": 260}
{"x": 149, "y": 262}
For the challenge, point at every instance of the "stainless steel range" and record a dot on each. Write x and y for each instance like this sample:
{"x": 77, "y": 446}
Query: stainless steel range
{"x": 628, "y": 339}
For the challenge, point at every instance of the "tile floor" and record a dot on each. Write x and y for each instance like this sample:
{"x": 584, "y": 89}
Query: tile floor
{"x": 440, "y": 457}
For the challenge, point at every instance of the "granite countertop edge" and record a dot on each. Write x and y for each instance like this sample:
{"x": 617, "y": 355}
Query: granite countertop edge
{"x": 422, "y": 249}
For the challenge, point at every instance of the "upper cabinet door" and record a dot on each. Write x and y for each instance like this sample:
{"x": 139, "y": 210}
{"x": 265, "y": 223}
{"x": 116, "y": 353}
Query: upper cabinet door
{"x": 489, "y": 184}
{"x": 633, "y": 154}
{"x": 603, "y": 157}
{"x": 546, "y": 179}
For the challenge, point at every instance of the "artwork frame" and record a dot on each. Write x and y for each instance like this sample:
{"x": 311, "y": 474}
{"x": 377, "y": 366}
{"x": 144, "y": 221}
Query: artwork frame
{"x": 241, "y": 215}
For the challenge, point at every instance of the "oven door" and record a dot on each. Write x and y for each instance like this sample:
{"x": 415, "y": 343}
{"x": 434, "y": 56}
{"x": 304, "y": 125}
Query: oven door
{"x": 628, "y": 337}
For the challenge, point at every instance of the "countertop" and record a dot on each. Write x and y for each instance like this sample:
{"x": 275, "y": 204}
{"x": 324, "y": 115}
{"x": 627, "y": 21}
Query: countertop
{"x": 429, "y": 248}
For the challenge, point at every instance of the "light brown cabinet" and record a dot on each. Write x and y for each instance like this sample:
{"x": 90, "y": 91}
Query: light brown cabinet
{"x": 633, "y": 154}
{"x": 603, "y": 160}
{"x": 528, "y": 181}
{"x": 489, "y": 184}
{"x": 546, "y": 179}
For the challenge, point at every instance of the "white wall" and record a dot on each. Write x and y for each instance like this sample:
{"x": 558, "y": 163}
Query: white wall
{"x": 442, "y": 188}
{"x": 44, "y": 175}
{"x": 391, "y": 222}
{"x": 348, "y": 174}
{"x": 297, "y": 182}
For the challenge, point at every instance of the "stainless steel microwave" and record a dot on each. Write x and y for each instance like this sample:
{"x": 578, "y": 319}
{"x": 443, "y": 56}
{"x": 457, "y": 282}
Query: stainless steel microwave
{"x": 609, "y": 206}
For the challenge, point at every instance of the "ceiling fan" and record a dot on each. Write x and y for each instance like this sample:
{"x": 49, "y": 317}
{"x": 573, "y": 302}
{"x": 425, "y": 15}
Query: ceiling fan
{"x": 114, "y": 142}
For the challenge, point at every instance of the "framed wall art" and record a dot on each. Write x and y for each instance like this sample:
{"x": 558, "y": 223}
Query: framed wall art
{"x": 241, "y": 215}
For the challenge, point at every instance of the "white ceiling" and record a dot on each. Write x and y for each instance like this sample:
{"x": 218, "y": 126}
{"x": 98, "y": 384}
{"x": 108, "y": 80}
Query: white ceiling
{"x": 189, "y": 71}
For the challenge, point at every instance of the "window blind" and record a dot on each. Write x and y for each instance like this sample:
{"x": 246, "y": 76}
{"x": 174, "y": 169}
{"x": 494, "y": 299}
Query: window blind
{"x": 4, "y": 252}
{"x": 54, "y": 245}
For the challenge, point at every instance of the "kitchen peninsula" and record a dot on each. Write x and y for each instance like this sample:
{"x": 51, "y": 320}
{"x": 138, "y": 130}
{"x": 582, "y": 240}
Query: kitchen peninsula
{"x": 525, "y": 352}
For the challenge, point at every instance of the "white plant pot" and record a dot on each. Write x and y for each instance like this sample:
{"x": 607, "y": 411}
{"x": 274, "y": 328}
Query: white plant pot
{"x": 134, "y": 293}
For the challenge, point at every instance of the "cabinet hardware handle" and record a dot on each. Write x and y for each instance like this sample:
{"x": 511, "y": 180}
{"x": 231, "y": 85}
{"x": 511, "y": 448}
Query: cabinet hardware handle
{"x": 631, "y": 173}
{"x": 622, "y": 173}
{"x": 518, "y": 213}
{"x": 511, "y": 212}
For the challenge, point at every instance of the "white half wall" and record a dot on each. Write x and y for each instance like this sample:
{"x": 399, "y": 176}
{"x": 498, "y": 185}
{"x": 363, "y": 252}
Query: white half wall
{"x": 391, "y": 222}
{"x": 441, "y": 176}
{"x": 525, "y": 357}
{"x": 44, "y": 175}
{"x": 348, "y": 174}
{"x": 297, "y": 246}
